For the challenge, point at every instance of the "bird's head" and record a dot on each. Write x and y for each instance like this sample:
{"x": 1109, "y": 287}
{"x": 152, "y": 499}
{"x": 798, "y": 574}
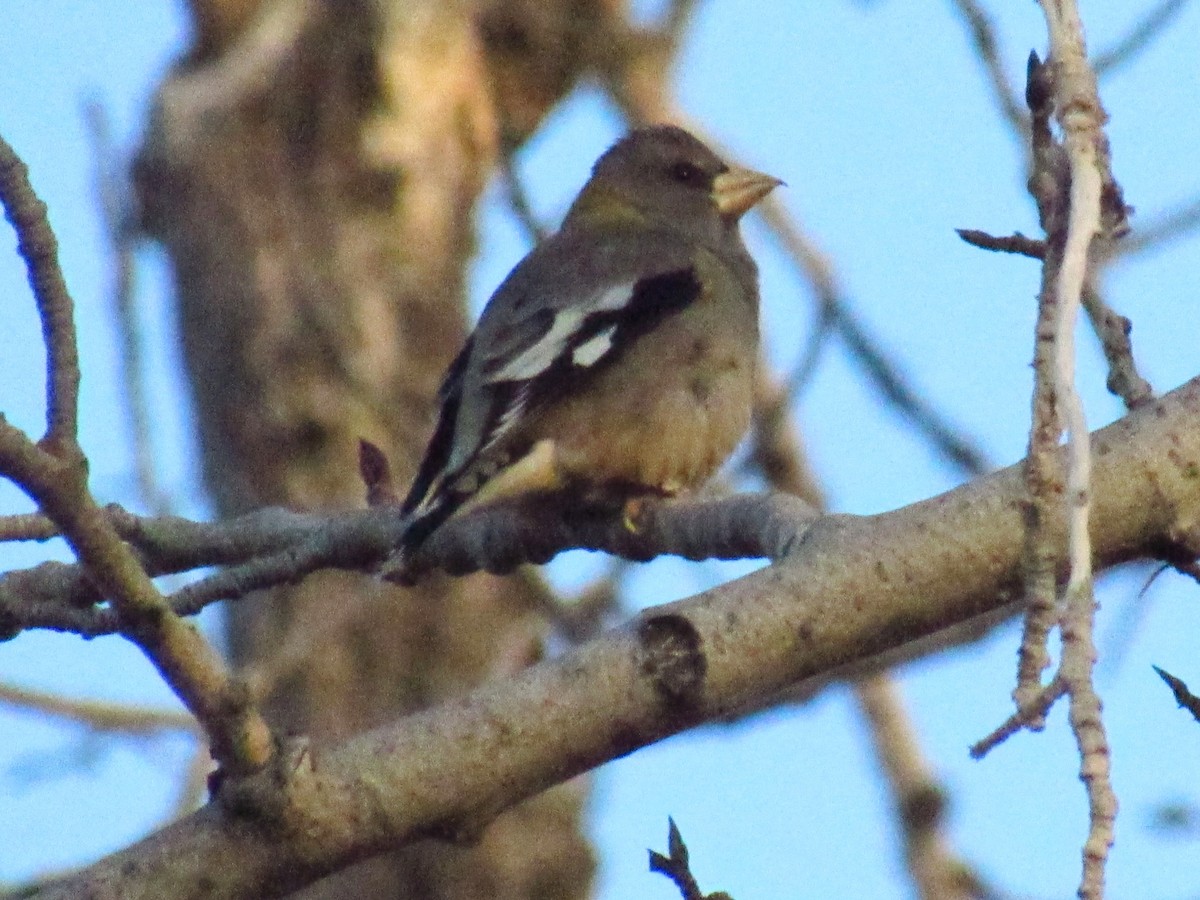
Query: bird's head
{"x": 662, "y": 175}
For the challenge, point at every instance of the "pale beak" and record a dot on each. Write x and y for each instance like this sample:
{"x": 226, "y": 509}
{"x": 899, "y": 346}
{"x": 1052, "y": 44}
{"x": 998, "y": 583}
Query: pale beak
{"x": 738, "y": 189}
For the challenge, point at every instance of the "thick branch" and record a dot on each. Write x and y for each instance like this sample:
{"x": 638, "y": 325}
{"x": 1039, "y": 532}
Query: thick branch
{"x": 852, "y": 588}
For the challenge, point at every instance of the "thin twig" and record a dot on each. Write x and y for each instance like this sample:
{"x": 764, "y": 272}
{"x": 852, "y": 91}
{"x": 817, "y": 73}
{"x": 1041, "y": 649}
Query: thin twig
{"x": 676, "y": 865}
{"x": 1179, "y": 689}
{"x": 1113, "y": 329}
{"x": 1027, "y": 717}
{"x": 775, "y": 446}
{"x": 810, "y": 357}
{"x": 1015, "y": 243}
{"x": 112, "y": 193}
{"x": 918, "y": 798}
{"x": 881, "y": 371}
{"x": 240, "y": 738}
{"x": 518, "y": 197}
{"x": 990, "y": 56}
{"x": 274, "y": 546}
{"x": 1170, "y": 226}
{"x": 1083, "y": 225}
{"x": 1043, "y": 468}
{"x": 54, "y": 472}
{"x": 1081, "y": 118}
{"x": 1139, "y": 38}
{"x": 38, "y": 247}
{"x": 99, "y": 715}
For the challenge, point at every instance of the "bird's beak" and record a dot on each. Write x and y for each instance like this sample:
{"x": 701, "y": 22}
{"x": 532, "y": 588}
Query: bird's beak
{"x": 737, "y": 190}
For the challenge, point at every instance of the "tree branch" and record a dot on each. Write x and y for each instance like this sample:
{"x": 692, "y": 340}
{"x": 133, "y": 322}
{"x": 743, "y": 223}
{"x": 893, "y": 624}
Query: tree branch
{"x": 38, "y": 246}
{"x": 54, "y": 472}
{"x": 99, "y": 715}
{"x": 852, "y": 588}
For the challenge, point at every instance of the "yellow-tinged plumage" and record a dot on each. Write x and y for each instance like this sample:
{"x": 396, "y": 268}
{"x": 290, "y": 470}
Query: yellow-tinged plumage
{"x": 674, "y": 408}
{"x": 619, "y": 355}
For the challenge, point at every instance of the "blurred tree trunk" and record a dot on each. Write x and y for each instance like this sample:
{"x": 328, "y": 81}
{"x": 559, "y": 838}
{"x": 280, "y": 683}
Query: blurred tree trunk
{"x": 312, "y": 171}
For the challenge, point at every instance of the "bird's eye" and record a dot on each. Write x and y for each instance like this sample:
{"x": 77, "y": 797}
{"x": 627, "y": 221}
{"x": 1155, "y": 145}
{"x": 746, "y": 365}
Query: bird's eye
{"x": 686, "y": 173}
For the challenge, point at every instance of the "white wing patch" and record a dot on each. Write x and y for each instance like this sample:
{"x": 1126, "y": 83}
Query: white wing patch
{"x": 541, "y": 355}
{"x": 506, "y": 421}
{"x": 594, "y": 348}
{"x": 538, "y": 357}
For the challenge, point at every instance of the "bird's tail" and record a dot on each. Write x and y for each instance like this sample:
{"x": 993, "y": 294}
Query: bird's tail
{"x": 425, "y": 520}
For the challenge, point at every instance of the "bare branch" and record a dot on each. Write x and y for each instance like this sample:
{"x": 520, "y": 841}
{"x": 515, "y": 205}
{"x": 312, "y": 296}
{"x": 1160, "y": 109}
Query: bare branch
{"x": 112, "y": 192}
{"x": 1179, "y": 689}
{"x": 987, "y": 50}
{"x": 99, "y": 715}
{"x": 27, "y": 527}
{"x": 881, "y": 371}
{"x": 1170, "y": 226}
{"x": 1124, "y": 380}
{"x": 518, "y": 197}
{"x": 275, "y": 546}
{"x": 1139, "y": 38}
{"x": 1015, "y": 243}
{"x": 918, "y": 798}
{"x": 185, "y": 660}
{"x": 54, "y": 472}
{"x": 504, "y": 535}
{"x": 39, "y": 248}
{"x": 1044, "y": 467}
{"x": 1094, "y": 217}
{"x": 676, "y": 867}
{"x": 822, "y": 609}
{"x": 1032, "y": 716}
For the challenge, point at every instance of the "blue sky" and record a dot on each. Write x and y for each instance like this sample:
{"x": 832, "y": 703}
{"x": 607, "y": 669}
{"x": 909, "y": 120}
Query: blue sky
{"x": 877, "y": 117}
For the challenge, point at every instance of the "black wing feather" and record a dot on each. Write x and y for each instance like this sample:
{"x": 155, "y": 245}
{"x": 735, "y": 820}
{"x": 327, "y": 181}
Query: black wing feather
{"x": 438, "y": 451}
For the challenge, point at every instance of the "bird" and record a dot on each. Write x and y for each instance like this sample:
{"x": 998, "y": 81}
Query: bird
{"x": 618, "y": 357}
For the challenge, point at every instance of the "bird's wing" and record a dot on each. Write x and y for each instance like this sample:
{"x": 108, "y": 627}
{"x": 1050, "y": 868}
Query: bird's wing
{"x": 544, "y": 332}
{"x": 438, "y": 452}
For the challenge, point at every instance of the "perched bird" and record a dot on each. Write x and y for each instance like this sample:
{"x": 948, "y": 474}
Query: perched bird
{"x": 619, "y": 355}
